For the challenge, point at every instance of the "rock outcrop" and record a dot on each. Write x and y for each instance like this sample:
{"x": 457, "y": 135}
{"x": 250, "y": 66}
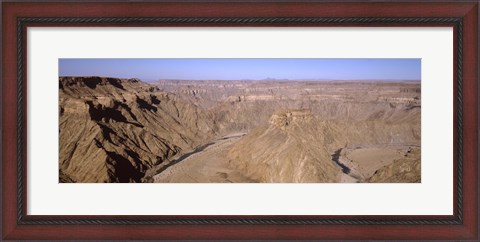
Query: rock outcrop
{"x": 113, "y": 130}
{"x": 296, "y": 147}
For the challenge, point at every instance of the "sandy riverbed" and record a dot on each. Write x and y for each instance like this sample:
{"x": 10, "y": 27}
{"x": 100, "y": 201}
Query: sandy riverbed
{"x": 209, "y": 165}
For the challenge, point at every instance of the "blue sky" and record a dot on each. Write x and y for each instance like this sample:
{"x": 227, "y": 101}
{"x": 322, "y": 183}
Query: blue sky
{"x": 240, "y": 69}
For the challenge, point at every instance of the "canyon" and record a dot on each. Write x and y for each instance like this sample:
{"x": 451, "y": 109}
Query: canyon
{"x": 243, "y": 131}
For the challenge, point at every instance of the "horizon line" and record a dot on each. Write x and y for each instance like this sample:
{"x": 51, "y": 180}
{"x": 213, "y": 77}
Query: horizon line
{"x": 265, "y": 79}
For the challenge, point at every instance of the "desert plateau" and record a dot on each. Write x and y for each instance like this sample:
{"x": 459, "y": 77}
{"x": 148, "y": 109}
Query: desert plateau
{"x": 119, "y": 130}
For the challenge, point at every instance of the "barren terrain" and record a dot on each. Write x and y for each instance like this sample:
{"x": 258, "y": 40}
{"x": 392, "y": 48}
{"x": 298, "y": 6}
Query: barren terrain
{"x": 126, "y": 130}
{"x": 207, "y": 164}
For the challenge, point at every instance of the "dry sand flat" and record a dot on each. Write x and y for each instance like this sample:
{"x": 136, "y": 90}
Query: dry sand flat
{"x": 209, "y": 164}
{"x": 371, "y": 159}
{"x": 364, "y": 162}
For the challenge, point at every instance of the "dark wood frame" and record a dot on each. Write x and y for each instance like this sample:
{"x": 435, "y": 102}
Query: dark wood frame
{"x": 462, "y": 16}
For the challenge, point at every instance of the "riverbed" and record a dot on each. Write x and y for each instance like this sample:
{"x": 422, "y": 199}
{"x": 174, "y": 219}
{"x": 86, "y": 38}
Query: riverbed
{"x": 205, "y": 164}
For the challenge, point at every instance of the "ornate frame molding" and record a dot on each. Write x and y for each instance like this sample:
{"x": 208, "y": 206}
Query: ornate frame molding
{"x": 22, "y": 219}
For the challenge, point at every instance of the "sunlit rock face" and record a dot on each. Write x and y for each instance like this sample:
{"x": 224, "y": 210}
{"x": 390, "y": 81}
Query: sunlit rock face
{"x": 114, "y": 130}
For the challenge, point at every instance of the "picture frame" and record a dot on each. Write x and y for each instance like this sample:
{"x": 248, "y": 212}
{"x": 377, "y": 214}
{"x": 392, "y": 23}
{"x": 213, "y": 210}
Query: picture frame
{"x": 18, "y": 16}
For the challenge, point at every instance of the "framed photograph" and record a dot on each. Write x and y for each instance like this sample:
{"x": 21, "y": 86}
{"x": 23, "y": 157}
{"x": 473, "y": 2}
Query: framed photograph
{"x": 240, "y": 120}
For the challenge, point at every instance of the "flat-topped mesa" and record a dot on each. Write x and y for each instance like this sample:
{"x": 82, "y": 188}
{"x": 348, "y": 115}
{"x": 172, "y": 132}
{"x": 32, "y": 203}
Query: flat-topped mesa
{"x": 285, "y": 118}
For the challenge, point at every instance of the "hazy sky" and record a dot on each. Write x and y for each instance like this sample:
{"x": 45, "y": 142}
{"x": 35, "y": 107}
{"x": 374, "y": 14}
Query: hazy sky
{"x": 239, "y": 69}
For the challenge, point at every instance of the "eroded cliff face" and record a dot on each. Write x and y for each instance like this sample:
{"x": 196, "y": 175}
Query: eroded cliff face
{"x": 298, "y": 147}
{"x": 281, "y": 152}
{"x": 113, "y": 130}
